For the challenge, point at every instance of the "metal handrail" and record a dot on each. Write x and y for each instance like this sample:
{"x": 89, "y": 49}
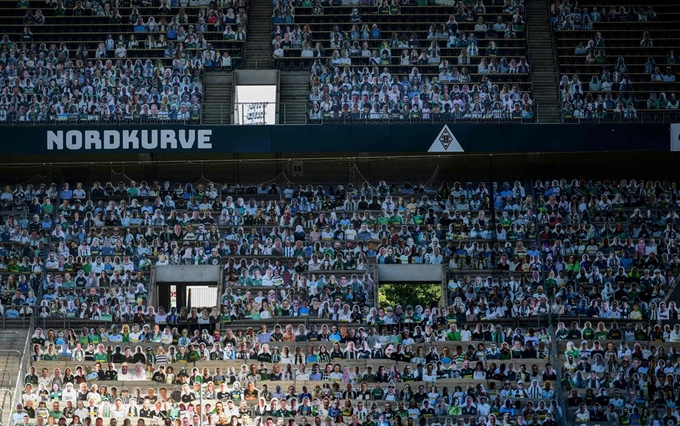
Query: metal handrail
{"x": 10, "y": 351}
{"x": 240, "y": 112}
{"x": 2, "y": 377}
{"x": 558, "y": 385}
{"x": 287, "y": 115}
{"x": 9, "y": 332}
{"x": 644, "y": 116}
{"x": 22, "y": 358}
{"x": 24, "y": 365}
{"x": 2, "y": 412}
{"x": 75, "y": 119}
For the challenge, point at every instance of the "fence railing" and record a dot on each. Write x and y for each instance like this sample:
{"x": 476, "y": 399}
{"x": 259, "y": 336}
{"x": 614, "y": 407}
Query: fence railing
{"x": 377, "y": 117}
{"x": 616, "y": 118}
{"x": 72, "y": 119}
{"x": 261, "y": 113}
{"x": 265, "y": 113}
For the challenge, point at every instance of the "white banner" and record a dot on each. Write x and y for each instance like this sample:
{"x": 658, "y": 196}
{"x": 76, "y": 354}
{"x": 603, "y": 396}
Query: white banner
{"x": 201, "y": 296}
{"x": 675, "y": 137}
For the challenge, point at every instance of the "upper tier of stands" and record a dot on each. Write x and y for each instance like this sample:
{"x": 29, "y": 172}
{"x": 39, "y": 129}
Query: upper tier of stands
{"x": 404, "y": 62}
{"x": 140, "y": 61}
{"x": 619, "y": 60}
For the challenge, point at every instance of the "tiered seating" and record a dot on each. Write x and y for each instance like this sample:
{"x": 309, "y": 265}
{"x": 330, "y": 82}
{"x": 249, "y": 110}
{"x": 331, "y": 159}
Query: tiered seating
{"x": 316, "y": 302}
{"x": 113, "y": 61}
{"x": 621, "y": 55}
{"x": 262, "y": 381}
{"x": 406, "y": 62}
{"x": 610, "y": 381}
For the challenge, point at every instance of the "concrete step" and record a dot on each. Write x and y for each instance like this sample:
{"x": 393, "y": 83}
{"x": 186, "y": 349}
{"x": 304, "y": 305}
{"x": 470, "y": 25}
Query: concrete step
{"x": 254, "y": 52}
{"x": 542, "y": 59}
{"x": 294, "y": 102}
{"x": 258, "y": 46}
{"x": 294, "y": 93}
{"x": 218, "y": 98}
{"x": 255, "y": 43}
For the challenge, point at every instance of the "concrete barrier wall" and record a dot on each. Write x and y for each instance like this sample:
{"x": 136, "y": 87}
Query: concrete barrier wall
{"x": 188, "y": 274}
{"x": 410, "y": 273}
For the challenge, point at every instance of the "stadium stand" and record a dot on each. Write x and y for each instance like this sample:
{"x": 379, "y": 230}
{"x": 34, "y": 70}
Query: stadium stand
{"x": 401, "y": 61}
{"x": 298, "y": 336}
{"x": 559, "y": 297}
{"x": 118, "y": 62}
{"x": 618, "y": 60}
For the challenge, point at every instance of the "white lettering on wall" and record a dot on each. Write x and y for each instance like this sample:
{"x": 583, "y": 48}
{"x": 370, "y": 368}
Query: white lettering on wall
{"x": 111, "y": 139}
{"x": 187, "y": 142}
{"x": 144, "y": 140}
{"x": 130, "y": 139}
{"x": 55, "y": 140}
{"x": 168, "y": 139}
{"x": 92, "y": 140}
{"x": 204, "y": 139}
{"x": 74, "y": 139}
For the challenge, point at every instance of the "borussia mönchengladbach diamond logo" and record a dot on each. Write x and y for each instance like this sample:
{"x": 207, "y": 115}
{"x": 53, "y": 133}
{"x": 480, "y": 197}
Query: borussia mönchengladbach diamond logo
{"x": 446, "y": 138}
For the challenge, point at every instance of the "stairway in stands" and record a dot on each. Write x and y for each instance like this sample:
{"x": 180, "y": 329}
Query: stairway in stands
{"x": 217, "y": 102}
{"x": 217, "y": 105}
{"x": 10, "y": 365}
{"x": 543, "y": 60}
{"x": 258, "y": 51}
{"x": 293, "y": 97}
